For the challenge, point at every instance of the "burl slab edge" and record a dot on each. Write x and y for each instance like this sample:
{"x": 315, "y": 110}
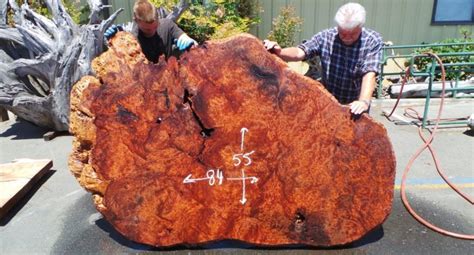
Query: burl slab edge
{"x": 227, "y": 143}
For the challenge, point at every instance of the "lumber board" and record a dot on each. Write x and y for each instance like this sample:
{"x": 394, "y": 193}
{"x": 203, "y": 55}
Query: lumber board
{"x": 17, "y": 178}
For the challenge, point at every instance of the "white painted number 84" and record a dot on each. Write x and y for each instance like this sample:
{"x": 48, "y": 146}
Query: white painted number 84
{"x": 211, "y": 175}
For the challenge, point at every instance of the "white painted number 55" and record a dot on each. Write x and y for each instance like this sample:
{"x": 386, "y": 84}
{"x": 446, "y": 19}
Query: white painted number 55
{"x": 238, "y": 161}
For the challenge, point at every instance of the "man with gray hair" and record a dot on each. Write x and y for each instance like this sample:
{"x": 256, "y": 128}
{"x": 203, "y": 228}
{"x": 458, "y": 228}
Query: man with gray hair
{"x": 350, "y": 57}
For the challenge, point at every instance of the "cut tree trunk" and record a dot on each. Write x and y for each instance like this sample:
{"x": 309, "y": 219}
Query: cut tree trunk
{"x": 41, "y": 59}
{"x": 228, "y": 143}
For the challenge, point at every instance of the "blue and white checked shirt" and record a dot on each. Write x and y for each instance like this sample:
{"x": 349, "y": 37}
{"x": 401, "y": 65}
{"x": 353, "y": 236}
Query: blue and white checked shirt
{"x": 344, "y": 66}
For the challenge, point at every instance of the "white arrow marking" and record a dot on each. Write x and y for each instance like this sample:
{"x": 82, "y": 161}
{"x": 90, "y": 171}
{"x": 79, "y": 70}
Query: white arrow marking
{"x": 252, "y": 179}
{"x": 243, "y": 200}
{"x": 243, "y": 130}
{"x": 188, "y": 179}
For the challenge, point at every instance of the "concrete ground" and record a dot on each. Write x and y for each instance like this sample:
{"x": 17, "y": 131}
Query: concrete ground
{"x": 57, "y": 217}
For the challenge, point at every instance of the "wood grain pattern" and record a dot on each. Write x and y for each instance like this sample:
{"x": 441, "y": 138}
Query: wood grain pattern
{"x": 163, "y": 149}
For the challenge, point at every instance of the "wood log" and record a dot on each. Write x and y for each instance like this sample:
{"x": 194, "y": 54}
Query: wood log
{"x": 227, "y": 143}
{"x": 41, "y": 59}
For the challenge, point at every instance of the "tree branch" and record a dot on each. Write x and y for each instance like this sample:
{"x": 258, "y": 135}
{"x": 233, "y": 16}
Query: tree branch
{"x": 96, "y": 7}
{"x": 11, "y": 35}
{"x": 176, "y": 12}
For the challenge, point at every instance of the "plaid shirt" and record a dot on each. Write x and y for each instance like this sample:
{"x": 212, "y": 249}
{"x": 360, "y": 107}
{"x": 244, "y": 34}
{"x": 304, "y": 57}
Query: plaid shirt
{"x": 344, "y": 66}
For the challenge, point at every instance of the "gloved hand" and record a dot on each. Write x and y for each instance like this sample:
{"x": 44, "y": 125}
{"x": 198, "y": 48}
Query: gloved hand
{"x": 112, "y": 30}
{"x": 184, "y": 42}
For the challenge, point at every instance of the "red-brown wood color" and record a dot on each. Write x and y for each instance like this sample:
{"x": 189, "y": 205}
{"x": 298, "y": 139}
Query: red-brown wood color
{"x": 227, "y": 143}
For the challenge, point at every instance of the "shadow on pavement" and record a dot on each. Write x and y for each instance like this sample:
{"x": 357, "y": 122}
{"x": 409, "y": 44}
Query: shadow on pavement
{"x": 371, "y": 237}
{"x": 469, "y": 132}
{"x": 119, "y": 238}
{"x": 23, "y": 129}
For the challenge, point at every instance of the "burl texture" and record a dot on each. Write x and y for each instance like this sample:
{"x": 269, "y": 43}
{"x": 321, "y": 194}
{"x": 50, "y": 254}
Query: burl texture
{"x": 227, "y": 143}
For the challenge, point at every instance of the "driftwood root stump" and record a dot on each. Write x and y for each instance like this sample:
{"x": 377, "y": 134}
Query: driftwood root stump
{"x": 227, "y": 143}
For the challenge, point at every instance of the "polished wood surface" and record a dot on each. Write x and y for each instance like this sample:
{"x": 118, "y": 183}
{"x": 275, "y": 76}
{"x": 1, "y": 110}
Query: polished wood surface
{"x": 227, "y": 143}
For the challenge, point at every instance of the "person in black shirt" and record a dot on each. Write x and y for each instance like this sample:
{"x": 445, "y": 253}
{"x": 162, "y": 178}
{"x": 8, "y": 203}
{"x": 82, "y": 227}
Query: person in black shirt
{"x": 156, "y": 36}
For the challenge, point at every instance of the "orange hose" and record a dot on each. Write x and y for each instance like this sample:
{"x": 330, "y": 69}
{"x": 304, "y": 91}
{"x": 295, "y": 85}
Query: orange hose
{"x": 427, "y": 144}
{"x": 405, "y": 80}
{"x": 437, "y": 163}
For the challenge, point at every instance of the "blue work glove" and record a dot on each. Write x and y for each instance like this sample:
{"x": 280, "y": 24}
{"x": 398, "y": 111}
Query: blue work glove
{"x": 184, "y": 42}
{"x": 112, "y": 30}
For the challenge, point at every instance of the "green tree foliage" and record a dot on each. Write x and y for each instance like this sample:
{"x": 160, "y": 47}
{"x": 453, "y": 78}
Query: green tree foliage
{"x": 285, "y": 27}
{"x": 38, "y": 6}
{"x": 168, "y": 4}
{"x": 77, "y": 13}
{"x": 215, "y": 19}
{"x": 73, "y": 10}
{"x": 462, "y": 71}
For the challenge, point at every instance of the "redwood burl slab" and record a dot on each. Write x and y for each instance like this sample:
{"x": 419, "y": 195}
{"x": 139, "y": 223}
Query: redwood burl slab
{"x": 227, "y": 143}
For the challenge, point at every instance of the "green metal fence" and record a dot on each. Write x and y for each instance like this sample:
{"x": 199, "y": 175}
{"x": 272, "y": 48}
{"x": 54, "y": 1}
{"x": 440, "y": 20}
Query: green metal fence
{"x": 466, "y": 64}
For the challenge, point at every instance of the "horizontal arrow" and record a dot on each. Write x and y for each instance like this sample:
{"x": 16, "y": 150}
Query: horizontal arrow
{"x": 251, "y": 178}
{"x": 188, "y": 179}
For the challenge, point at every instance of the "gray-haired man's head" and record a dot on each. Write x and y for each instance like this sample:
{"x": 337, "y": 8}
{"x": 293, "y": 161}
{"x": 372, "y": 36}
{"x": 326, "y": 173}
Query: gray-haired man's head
{"x": 350, "y": 18}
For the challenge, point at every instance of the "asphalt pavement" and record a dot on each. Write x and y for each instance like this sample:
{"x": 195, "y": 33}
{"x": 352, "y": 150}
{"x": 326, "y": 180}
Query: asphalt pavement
{"x": 58, "y": 216}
